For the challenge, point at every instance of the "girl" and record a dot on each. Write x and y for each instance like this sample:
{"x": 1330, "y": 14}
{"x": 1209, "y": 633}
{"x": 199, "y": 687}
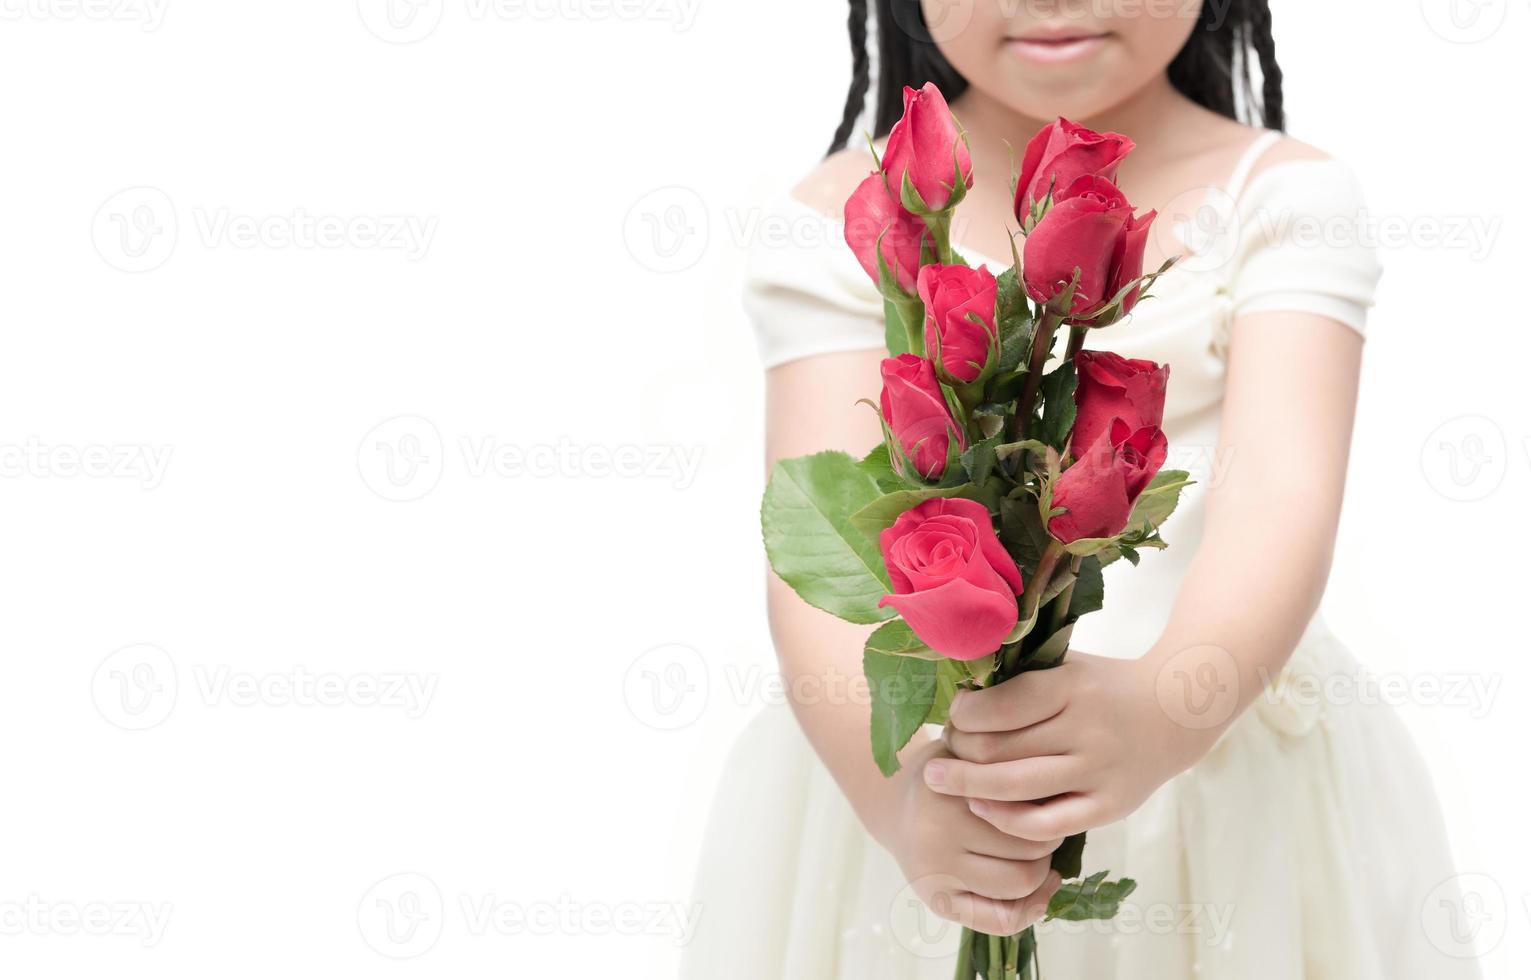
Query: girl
{"x": 1273, "y": 836}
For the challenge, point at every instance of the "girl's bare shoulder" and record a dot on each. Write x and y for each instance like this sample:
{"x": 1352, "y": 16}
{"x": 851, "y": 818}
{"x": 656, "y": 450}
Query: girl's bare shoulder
{"x": 827, "y": 186}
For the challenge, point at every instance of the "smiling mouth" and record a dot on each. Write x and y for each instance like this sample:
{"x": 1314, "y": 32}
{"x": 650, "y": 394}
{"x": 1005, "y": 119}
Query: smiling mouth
{"x": 1057, "y": 49}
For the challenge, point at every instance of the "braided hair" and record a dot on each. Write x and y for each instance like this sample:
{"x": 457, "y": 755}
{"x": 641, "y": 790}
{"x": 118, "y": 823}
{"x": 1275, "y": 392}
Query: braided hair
{"x": 1212, "y": 70}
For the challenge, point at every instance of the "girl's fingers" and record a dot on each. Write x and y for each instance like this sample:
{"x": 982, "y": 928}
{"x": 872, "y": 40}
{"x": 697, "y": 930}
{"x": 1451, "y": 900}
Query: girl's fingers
{"x": 1020, "y": 702}
{"x": 1063, "y": 817}
{"x": 986, "y": 748}
{"x": 1023, "y": 779}
{"x": 1003, "y": 881}
{"x": 996, "y": 917}
{"x": 986, "y": 839}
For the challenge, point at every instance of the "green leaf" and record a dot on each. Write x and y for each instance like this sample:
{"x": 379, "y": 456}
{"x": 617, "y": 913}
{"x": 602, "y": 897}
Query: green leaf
{"x": 1022, "y": 532}
{"x": 805, "y": 519}
{"x": 1058, "y": 409}
{"x": 950, "y": 676}
{"x": 1013, "y": 315}
{"x": 878, "y": 515}
{"x": 895, "y": 639}
{"x": 1051, "y": 653}
{"x": 1068, "y": 859}
{"x": 903, "y": 691}
{"x": 1093, "y": 898}
{"x": 980, "y": 458}
{"x": 879, "y": 467}
{"x": 1159, "y": 499}
{"x": 1089, "y": 589}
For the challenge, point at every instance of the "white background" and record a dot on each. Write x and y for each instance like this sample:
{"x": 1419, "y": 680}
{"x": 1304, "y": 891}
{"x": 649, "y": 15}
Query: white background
{"x": 334, "y": 246}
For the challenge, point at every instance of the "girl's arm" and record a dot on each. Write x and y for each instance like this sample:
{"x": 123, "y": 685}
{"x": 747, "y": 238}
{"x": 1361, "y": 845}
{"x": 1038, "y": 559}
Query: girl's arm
{"x": 961, "y": 867}
{"x": 1093, "y": 738}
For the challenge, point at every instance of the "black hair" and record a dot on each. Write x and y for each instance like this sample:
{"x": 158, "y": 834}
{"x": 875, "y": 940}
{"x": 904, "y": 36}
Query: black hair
{"x": 1213, "y": 69}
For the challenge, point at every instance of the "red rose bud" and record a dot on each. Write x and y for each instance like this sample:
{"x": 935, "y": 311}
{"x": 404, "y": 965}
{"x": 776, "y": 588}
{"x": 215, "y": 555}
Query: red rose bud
{"x": 1091, "y": 229}
{"x": 1112, "y": 386}
{"x": 1100, "y": 489}
{"x": 1059, "y": 155}
{"x": 927, "y": 146}
{"x": 953, "y": 582}
{"x": 914, "y": 408}
{"x": 953, "y": 295}
{"x": 874, "y": 220}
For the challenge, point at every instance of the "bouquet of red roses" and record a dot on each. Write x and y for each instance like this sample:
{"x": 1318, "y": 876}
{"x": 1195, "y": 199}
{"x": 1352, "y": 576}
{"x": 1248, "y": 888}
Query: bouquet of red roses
{"x": 1004, "y": 484}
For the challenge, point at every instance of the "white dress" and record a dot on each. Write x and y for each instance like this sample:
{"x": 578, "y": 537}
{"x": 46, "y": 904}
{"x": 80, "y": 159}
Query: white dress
{"x": 1307, "y": 845}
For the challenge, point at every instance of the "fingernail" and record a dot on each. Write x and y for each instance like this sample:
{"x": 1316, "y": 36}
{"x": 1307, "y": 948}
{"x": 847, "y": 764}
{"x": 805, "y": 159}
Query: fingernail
{"x": 980, "y": 808}
{"x": 935, "y": 775}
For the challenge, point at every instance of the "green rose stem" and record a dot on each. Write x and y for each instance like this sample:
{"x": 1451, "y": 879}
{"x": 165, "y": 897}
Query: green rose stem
{"x": 911, "y": 312}
{"x": 940, "y": 225}
{"x": 1060, "y": 609}
{"x": 1039, "y": 579}
{"x": 996, "y": 959}
{"x": 1041, "y": 346}
{"x": 965, "y": 956}
{"x": 1076, "y": 341}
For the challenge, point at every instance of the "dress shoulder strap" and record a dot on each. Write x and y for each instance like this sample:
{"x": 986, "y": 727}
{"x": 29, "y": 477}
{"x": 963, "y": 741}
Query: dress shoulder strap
{"x": 1246, "y": 165}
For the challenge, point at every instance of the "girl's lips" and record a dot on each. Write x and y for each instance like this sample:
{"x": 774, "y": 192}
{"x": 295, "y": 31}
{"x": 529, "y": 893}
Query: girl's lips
{"x": 1056, "y": 50}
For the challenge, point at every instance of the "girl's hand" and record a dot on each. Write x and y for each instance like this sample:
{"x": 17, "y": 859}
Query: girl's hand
{"x": 962, "y": 868}
{"x": 1052, "y": 753}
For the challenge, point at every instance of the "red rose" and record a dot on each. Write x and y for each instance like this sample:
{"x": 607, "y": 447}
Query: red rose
{"x": 953, "y": 582}
{"x": 915, "y": 409}
{"x": 1090, "y": 228}
{"x": 927, "y": 145}
{"x": 1100, "y": 489}
{"x": 1062, "y": 153}
{"x": 872, "y": 216}
{"x": 953, "y": 294}
{"x": 1112, "y": 386}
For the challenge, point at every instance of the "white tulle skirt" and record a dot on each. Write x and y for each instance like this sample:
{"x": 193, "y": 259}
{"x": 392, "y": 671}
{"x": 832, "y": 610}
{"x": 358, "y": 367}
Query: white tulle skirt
{"x": 1306, "y": 846}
